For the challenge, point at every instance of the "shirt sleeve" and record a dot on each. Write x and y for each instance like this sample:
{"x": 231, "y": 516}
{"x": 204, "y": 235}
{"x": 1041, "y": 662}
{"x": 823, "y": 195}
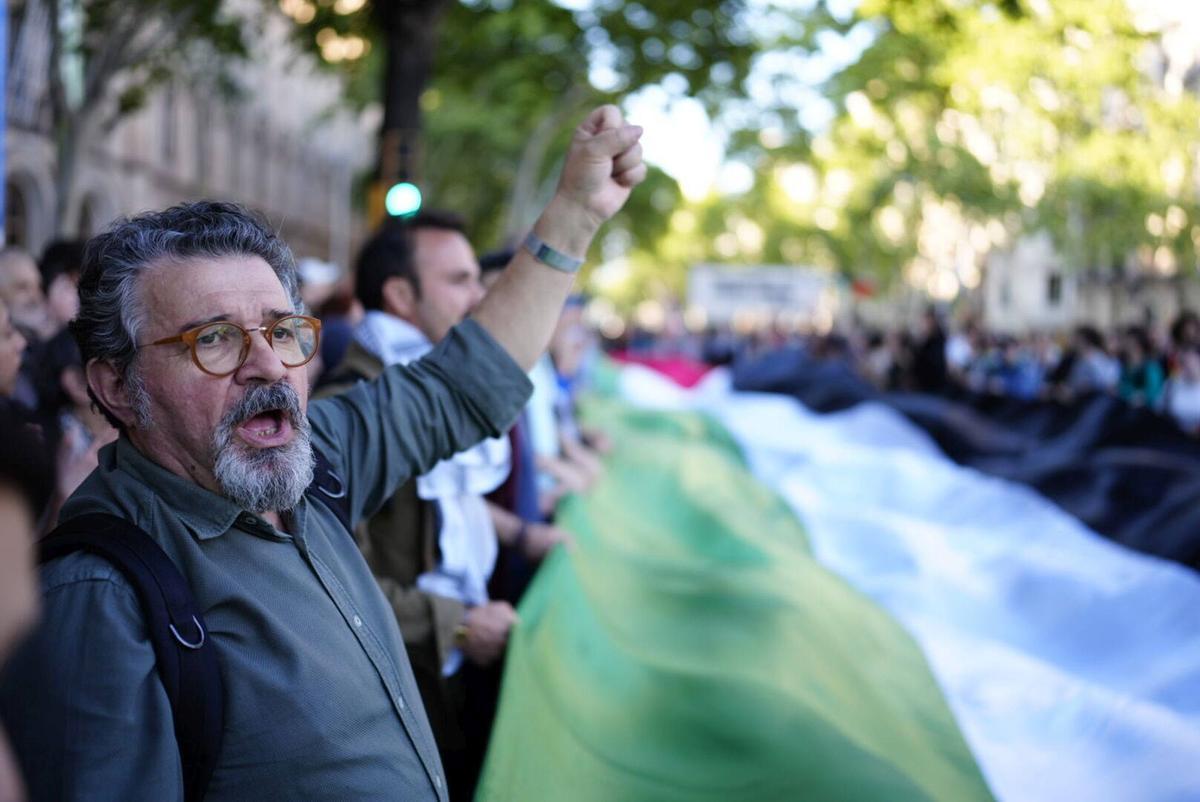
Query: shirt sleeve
{"x": 383, "y": 432}
{"x": 82, "y": 701}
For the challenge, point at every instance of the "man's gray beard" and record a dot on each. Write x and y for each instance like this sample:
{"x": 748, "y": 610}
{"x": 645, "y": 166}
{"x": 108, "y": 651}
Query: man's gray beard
{"x": 264, "y": 479}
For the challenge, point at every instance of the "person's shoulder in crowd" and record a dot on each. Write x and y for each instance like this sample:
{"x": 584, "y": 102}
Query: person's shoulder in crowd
{"x": 99, "y": 493}
{"x": 358, "y": 364}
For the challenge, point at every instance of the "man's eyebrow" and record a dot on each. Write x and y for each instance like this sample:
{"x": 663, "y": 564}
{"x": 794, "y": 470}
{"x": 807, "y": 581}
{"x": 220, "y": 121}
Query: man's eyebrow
{"x": 269, "y": 315}
{"x": 191, "y": 324}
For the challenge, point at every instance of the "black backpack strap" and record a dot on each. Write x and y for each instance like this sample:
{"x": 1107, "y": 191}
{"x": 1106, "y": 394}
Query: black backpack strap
{"x": 185, "y": 657}
{"x": 328, "y": 488}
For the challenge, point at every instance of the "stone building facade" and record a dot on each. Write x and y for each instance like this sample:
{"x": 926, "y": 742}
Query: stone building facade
{"x": 1029, "y": 287}
{"x": 282, "y": 147}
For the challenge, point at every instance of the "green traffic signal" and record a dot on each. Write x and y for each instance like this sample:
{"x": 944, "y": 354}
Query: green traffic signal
{"x": 403, "y": 199}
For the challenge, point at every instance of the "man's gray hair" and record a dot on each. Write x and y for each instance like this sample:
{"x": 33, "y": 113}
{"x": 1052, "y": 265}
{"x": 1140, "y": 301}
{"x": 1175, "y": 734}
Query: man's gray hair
{"x": 111, "y": 314}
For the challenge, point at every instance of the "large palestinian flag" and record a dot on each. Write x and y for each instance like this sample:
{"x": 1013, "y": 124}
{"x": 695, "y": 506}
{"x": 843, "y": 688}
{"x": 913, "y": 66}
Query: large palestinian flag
{"x": 766, "y": 603}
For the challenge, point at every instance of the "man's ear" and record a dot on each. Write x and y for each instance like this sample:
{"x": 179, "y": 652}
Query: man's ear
{"x": 110, "y": 390}
{"x": 400, "y": 298}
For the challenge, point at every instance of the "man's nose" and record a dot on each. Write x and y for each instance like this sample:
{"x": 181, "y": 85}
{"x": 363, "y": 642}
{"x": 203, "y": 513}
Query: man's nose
{"x": 262, "y": 363}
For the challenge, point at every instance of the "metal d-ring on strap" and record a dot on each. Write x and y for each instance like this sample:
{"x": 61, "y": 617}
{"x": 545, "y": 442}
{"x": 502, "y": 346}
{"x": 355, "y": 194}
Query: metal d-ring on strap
{"x": 341, "y": 486}
{"x": 184, "y": 641}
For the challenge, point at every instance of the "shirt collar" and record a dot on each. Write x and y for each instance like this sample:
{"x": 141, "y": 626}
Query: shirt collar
{"x": 393, "y": 340}
{"x": 204, "y": 513}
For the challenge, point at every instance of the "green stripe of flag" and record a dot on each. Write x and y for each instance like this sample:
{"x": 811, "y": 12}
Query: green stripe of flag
{"x": 690, "y": 648}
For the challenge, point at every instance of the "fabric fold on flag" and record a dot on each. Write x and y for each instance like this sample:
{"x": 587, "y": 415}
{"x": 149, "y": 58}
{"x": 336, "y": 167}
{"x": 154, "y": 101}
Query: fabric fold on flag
{"x": 1072, "y": 663}
{"x": 690, "y": 647}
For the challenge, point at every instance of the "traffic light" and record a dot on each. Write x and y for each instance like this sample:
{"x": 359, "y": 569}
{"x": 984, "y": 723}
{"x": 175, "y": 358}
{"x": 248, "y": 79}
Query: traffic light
{"x": 403, "y": 199}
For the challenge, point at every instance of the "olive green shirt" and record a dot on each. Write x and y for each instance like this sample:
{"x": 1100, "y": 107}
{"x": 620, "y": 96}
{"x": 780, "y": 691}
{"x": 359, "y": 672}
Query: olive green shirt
{"x": 320, "y": 701}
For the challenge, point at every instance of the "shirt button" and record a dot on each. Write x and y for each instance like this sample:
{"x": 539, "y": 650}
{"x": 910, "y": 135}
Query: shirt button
{"x": 357, "y": 621}
{"x": 437, "y": 781}
{"x": 400, "y": 702}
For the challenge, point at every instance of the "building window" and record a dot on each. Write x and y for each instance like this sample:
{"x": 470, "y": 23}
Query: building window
{"x": 1054, "y": 289}
{"x": 16, "y": 216}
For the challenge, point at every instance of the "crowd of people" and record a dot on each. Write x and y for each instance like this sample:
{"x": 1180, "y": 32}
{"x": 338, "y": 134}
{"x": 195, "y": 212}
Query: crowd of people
{"x": 1156, "y": 368}
{"x": 1144, "y": 366}
{"x": 353, "y": 561}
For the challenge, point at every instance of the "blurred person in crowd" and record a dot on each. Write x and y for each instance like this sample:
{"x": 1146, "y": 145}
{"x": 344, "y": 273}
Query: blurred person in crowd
{"x": 318, "y": 284}
{"x": 318, "y": 281}
{"x": 61, "y": 262}
{"x": 24, "y": 489}
{"x": 1184, "y": 337}
{"x": 573, "y": 352}
{"x": 434, "y": 546}
{"x": 1141, "y": 380}
{"x": 72, "y": 427}
{"x": 1181, "y": 393}
{"x": 1091, "y": 368}
{"x": 565, "y": 461}
{"x": 12, "y": 347}
{"x": 720, "y": 345}
{"x": 340, "y": 316}
{"x": 876, "y": 366}
{"x": 21, "y": 291}
{"x": 519, "y": 493}
{"x": 929, "y": 360}
{"x": 1015, "y": 372}
{"x": 214, "y": 462}
{"x": 899, "y": 347}
{"x": 961, "y": 350}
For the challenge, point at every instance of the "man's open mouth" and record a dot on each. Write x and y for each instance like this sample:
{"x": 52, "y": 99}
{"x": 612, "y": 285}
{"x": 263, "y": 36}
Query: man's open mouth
{"x": 266, "y": 429}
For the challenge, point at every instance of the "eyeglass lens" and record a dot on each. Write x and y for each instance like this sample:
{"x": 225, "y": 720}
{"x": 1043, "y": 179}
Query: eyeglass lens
{"x": 222, "y": 347}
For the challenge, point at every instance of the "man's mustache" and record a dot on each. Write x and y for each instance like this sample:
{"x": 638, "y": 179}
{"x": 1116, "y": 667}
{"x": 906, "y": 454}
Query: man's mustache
{"x": 260, "y": 398}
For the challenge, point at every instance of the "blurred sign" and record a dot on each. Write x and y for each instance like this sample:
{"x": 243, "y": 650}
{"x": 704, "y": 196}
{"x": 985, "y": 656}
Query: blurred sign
{"x": 769, "y": 291}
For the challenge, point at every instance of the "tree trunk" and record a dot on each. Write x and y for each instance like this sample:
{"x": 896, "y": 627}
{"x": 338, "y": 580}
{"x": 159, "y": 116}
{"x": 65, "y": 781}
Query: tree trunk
{"x": 68, "y": 142}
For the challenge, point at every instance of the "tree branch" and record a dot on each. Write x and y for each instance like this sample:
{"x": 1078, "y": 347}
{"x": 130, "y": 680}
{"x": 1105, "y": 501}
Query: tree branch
{"x": 58, "y": 96}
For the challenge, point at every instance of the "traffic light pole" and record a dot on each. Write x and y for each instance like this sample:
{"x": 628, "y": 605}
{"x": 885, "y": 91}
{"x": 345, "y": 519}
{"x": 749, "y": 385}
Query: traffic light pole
{"x": 410, "y": 30}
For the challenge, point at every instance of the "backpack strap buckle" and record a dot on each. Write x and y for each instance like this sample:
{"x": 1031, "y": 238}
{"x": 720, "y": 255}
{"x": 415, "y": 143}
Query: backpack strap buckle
{"x": 184, "y": 641}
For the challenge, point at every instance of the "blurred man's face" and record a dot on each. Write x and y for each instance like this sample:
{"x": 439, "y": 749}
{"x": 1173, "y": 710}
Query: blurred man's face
{"x": 12, "y": 346}
{"x": 21, "y": 288}
{"x": 62, "y": 298}
{"x": 18, "y": 584}
{"x": 450, "y": 285}
{"x": 570, "y": 340}
{"x": 244, "y": 435}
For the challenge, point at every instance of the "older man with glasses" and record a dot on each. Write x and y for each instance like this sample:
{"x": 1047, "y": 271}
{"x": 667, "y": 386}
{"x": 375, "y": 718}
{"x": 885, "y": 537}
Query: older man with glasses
{"x": 195, "y": 346}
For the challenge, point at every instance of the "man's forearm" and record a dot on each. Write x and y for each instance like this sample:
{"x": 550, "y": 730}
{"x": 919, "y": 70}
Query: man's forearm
{"x": 507, "y": 525}
{"x": 522, "y": 309}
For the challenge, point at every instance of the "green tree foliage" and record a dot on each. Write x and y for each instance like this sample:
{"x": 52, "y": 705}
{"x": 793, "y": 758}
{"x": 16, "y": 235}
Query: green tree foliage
{"x": 511, "y": 79}
{"x": 995, "y": 120}
{"x": 958, "y": 126}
